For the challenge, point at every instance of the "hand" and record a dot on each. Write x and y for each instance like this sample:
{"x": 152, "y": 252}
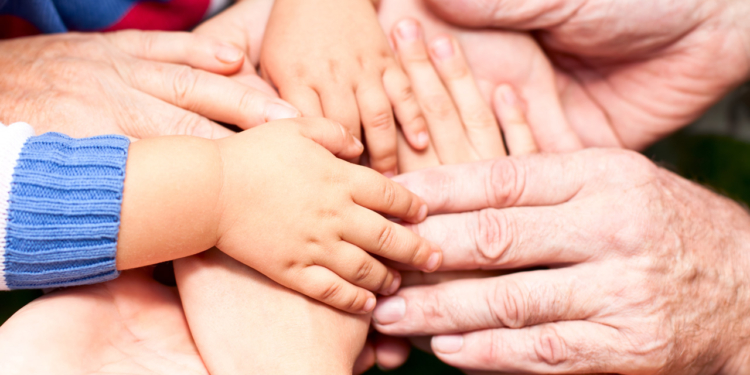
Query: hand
{"x": 139, "y": 84}
{"x": 331, "y": 58}
{"x": 462, "y": 125}
{"x": 658, "y": 66}
{"x": 498, "y": 59}
{"x": 645, "y": 269}
{"x": 130, "y": 325}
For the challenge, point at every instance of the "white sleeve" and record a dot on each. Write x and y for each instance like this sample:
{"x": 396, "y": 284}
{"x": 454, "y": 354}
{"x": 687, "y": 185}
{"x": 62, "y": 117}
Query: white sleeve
{"x": 12, "y": 139}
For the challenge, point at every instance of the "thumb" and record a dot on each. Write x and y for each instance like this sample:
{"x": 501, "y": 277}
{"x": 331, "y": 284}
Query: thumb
{"x": 331, "y": 135}
{"x": 514, "y": 14}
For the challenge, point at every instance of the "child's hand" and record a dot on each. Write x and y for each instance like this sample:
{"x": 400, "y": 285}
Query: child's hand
{"x": 331, "y": 58}
{"x": 293, "y": 211}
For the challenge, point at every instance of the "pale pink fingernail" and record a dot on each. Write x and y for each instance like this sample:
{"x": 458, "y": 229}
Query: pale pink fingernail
{"x": 370, "y": 304}
{"x": 390, "y": 310}
{"x": 422, "y": 213}
{"x": 447, "y": 344}
{"x": 279, "y": 112}
{"x": 432, "y": 262}
{"x": 442, "y": 48}
{"x": 423, "y": 138}
{"x": 408, "y": 30}
{"x": 389, "y": 174}
{"x": 228, "y": 54}
{"x": 394, "y": 285}
{"x": 509, "y": 96}
{"x": 359, "y": 143}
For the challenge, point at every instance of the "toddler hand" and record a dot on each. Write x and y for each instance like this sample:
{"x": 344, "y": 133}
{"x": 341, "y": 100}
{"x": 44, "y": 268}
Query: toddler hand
{"x": 331, "y": 58}
{"x": 310, "y": 217}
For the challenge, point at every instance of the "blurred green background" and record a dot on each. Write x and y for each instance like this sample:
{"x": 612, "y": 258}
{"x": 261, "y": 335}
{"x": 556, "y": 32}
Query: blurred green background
{"x": 714, "y": 151}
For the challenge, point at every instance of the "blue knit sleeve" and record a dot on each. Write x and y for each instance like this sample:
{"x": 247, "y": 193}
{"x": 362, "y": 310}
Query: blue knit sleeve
{"x": 64, "y": 211}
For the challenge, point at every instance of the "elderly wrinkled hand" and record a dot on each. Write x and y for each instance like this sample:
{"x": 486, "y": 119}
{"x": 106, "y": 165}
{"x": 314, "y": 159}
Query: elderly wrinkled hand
{"x": 630, "y": 71}
{"x": 139, "y": 84}
{"x": 631, "y": 269}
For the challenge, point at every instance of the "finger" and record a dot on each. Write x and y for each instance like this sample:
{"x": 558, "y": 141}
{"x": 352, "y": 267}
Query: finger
{"x": 446, "y": 130}
{"x": 340, "y": 105}
{"x": 379, "y": 127}
{"x": 481, "y": 127}
{"x": 216, "y": 97}
{"x": 410, "y": 160}
{"x": 331, "y": 135}
{"x": 160, "y": 119}
{"x": 533, "y": 180}
{"x": 521, "y": 15}
{"x": 516, "y": 129}
{"x": 361, "y": 269}
{"x": 406, "y": 108}
{"x": 197, "y": 51}
{"x": 413, "y": 278}
{"x": 303, "y": 98}
{"x": 327, "y": 287}
{"x": 517, "y": 300}
{"x": 511, "y": 238}
{"x": 377, "y": 235}
{"x": 555, "y": 348}
{"x": 378, "y": 193}
{"x": 391, "y": 352}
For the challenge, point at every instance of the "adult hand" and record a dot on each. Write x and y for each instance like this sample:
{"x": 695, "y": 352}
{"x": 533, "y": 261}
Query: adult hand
{"x": 498, "y": 59}
{"x": 140, "y": 84}
{"x": 645, "y": 68}
{"x": 130, "y": 325}
{"x": 646, "y": 272}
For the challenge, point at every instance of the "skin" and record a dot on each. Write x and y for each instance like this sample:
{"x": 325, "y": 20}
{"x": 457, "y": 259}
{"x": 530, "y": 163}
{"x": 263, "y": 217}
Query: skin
{"x": 655, "y": 67}
{"x": 243, "y": 187}
{"x": 327, "y": 65}
{"x": 658, "y": 288}
{"x": 140, "y": 84}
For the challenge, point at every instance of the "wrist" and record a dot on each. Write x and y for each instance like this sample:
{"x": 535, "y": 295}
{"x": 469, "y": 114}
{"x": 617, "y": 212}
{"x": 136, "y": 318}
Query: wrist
{"x": 170, "y": 200}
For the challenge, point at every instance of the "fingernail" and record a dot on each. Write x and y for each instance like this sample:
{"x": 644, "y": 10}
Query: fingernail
{"x": 408, "y": 30}
{"x": 422, "y": 214}
{"x": 389, "y": 174}
{"x": 442, "y": 48}
{"x": 509, "y": 96}
{"x": 423, "y": 138}
{"x": 389, "y": 310}
{"x": 280, "y": 112}
{"x": 359, "y": 143}
{"x": 394, "y": 285}
{"x": 432, "y": 262}
{"x": 228, "y": 54}
{"x": 447, "y": 344}
{"x": 370, "y": 304}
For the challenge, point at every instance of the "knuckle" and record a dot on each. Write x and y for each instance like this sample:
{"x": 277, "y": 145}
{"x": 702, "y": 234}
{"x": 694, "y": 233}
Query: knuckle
{"x": 549, "y": 347}
{"x": 491, "y": 351}
{"x": 389, "y": 194}
{"x": 479, "y": 118}
{"x": 192, "y": 124}
{"x": 457, "y": 71}
{"x": 506, "y": 183}
{"x": 386, "y": 237}
{"x": 381, "y": 121}
{"x": 440, "y": 106}
{"x": 364, "y": 271}
{"x": 508, "y": 304}
{"x": 494, "y": 236}
{"x": 331, "y": 292}
{"x": 184, "y": 81}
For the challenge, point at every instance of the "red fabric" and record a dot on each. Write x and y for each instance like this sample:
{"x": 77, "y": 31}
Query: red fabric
{"x": 16, "y": 27}
{"x": 176, "y": 15}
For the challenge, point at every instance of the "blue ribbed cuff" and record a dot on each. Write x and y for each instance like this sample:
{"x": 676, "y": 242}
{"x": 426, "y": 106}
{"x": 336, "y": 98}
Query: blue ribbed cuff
{"x": 64, "y": 211}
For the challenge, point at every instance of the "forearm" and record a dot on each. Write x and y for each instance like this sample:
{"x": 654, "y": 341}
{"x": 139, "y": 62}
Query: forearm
{"x": 170, "y": 200}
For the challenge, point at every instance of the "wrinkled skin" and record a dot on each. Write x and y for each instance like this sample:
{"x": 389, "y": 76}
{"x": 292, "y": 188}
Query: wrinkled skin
{"x": 658, "y": 288}
{"x": 132, "y": 325}
{"x": 643, "y": 68}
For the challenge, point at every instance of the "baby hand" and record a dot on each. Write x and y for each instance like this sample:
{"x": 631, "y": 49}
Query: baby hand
{"x": 331, "y": 58}
{"x": 306, "y": 219}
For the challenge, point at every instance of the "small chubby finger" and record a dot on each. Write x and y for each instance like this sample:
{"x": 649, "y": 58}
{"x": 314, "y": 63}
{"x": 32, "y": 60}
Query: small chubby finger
{"x": 406, "y": 108}
{"x": 304, "y": 98}
{"x": 329, "y": 134}
{"x": 361, "y": 269}
{"x": 480, "y": 123}
{"x": 379, "y": 127}
{"x": 378, "y": 193}
{"x": 380, "y": 236}
{"x": 198, "y": 51}
{"x": 572, "y": 347}
{"x": 325, "y": 286}
{"x": 516, "y": 129}
{"x": 340, "y": 105}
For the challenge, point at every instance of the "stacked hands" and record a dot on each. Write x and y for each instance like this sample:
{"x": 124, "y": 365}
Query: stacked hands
{"x": 568, "y": 261}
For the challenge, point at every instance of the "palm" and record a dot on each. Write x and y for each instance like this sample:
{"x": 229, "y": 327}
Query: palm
{"x": 131, "y": 325}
